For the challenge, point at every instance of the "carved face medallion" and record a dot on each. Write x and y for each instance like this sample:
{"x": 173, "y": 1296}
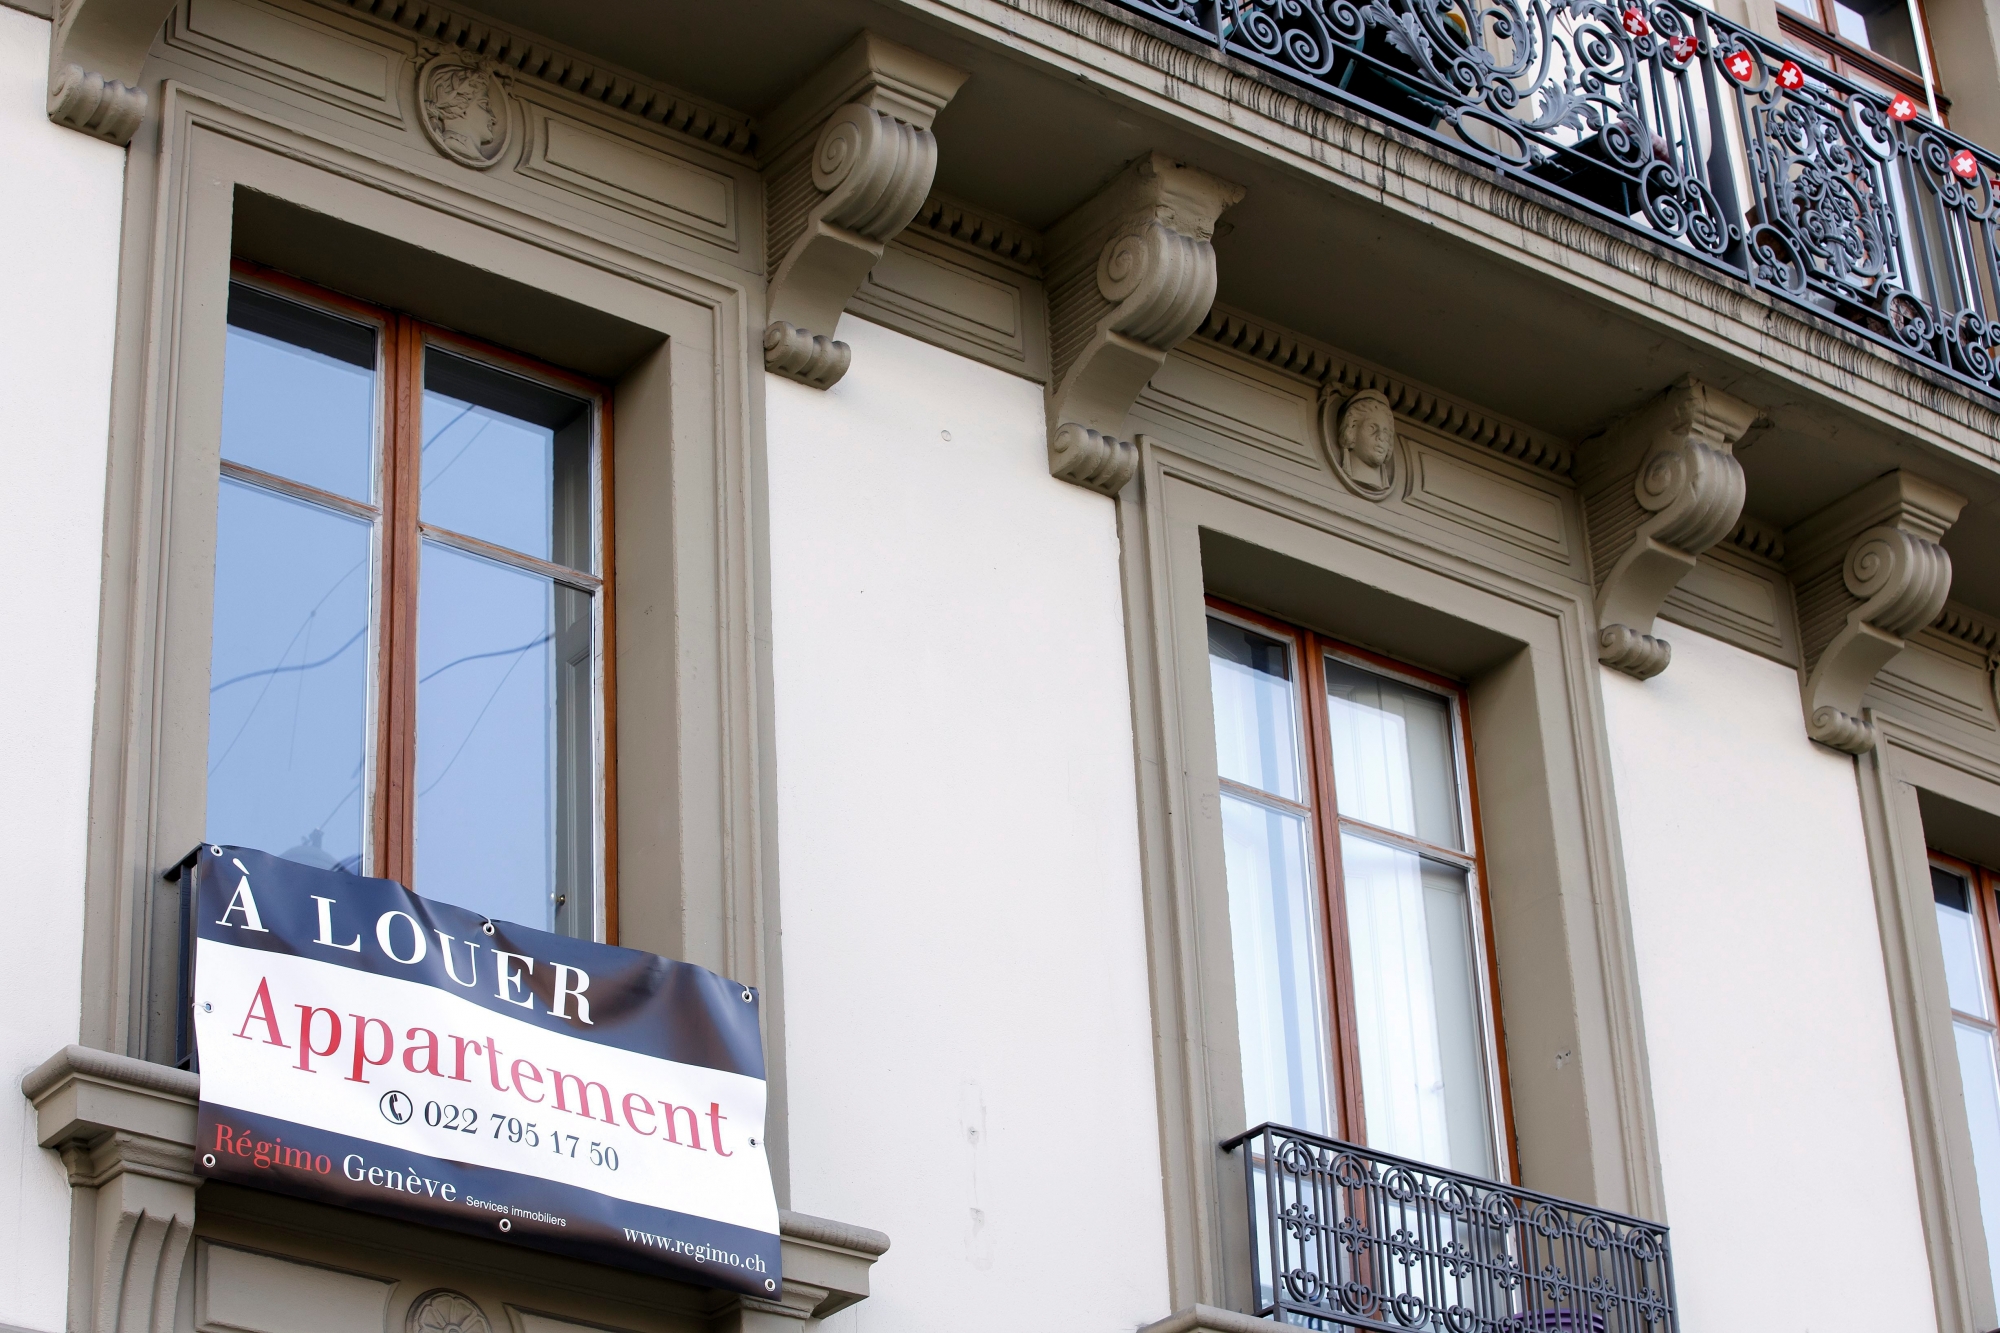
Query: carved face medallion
{"x": 464, "y": 111}
{"x": 1360, "y": 436}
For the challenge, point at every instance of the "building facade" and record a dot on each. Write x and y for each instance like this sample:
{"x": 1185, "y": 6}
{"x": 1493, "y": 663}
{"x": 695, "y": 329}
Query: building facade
{"x": 1329, "y": 662}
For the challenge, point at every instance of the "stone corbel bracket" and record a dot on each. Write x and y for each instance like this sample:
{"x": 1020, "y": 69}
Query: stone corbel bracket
{"x": 1130, "y": 275}
{"x": 1660, "y": 487}
{"x": 96, "y": 48}
{"x": 125, "y": 1130}
{"x": 851, "y": 162}
{"x": 1868, "y": 571}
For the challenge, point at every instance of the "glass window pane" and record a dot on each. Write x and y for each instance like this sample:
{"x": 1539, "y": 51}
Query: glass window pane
{"x": 298, "y": 394}
{"x": 1423, "y": 1063}
{"x": 505, "y": 767}
{"x": 1881, "y": 26}
{"x": 1276, "y": 936}
{"x": 1958, "y": 932}
{"x": 506, "y": 460}
{"x": 1256, "y": 717}
{"x": 1393, "y": 762}
{"x": 1982, "y": 1111}
{"x": 288, "y": 682}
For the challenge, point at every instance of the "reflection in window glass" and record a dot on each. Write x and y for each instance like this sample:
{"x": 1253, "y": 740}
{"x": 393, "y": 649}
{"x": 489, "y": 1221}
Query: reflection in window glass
{"x": 1423, "y": 1062}
{"x": 499, "y": 453}
{"x": 1393, "y": 763}
{"x": 1958, "y": 932}
{"x": 1278, "y": 944}
{"x": 506, "y": 775}
{"x": 288, "y": 682}
{"x": 1256, "y": 718}
{"x": 298, "y": 394}
{"x": 290, "y": 660}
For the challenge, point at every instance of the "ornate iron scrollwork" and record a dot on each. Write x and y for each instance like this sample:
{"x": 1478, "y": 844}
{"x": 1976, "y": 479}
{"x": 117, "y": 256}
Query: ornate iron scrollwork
{"x": 1350, "y": 1239}
{"x": 1656, "y": 115}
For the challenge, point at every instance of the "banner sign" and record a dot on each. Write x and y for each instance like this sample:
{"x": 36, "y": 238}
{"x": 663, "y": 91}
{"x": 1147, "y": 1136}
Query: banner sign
{"x": 364, "y": 1046}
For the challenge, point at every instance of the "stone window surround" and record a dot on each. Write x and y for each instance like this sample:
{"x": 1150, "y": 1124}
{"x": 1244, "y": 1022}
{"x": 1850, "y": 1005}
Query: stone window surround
{"x": 685, "y": 422}
{"x": 1566, "y": 968}
{"x": 1916, "y": 762}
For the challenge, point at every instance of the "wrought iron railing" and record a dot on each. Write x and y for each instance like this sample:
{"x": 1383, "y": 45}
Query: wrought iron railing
{"x": 1346, "y": 1238}
{"x": 1663, "y": 117}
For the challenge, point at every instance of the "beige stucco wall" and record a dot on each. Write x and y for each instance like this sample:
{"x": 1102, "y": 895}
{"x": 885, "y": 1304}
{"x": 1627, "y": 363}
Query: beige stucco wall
{"x": 969, "y": 1042}
{"x": 58, "y": 270}
{"x": 1784, "y": 1143}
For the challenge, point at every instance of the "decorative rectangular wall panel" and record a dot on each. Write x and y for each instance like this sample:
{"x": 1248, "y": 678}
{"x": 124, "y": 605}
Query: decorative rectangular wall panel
{"x": 1265, "y": 412}
{"x": 1520, "y": 515}
{"x": 241, "y": 1291}
{"x": 337, "y": 65}
{"x": 1940, "y": 677}
{"x": 936, "y": 292}
{"x": 1737, "y": 603}
{"x": 636, "y": 178}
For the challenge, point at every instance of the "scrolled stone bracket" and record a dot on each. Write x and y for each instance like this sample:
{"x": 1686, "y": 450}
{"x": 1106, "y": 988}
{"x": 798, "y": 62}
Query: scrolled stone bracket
{"x": 96, "y": 50}
{"x": 852, "y": 164}
{"x": 1660, "y": 488}
{"x": 1869, "y": 571}
{"x": 813, "y": 359}
{"x": 1131, "y": 274}
{"x": 124, "y": 1129}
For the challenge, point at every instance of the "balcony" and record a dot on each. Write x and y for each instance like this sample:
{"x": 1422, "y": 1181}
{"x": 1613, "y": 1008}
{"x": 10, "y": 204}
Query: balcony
{"x": 1663, "y": 118}
{"x": 1346, "y": 1238}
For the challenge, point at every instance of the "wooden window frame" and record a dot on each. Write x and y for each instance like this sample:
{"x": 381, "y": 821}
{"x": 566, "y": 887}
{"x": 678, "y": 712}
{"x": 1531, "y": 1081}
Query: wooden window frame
{"x": 1310, "y": 651}
{"x": 403, "y": 341}
{"x": 1858, "y": 62}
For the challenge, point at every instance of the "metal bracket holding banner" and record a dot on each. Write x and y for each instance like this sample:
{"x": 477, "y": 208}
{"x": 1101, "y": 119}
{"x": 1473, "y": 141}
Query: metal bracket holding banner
{"x": 366, "y": 1047}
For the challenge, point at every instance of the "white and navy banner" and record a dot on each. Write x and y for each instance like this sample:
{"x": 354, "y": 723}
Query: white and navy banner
{"x": 364, "y": 1046}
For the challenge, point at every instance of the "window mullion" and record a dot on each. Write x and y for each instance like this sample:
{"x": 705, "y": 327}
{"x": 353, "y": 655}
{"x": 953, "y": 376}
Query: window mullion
{"x": 397, "y": 731}
{"x": 1326, "y": 827}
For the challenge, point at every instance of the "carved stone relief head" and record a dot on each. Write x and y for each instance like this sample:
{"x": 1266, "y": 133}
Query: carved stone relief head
{"x": 464, "y": 110}
{"x": 1362, "y": 444}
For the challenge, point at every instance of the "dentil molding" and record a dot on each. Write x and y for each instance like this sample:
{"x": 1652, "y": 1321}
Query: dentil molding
{"x": 1868, "y": 572}
{"x": 1131, "y": 274}
{"x": 1659, "y": 488}
{"x": 852, "y": 157}
{"x": 95, "y": 50}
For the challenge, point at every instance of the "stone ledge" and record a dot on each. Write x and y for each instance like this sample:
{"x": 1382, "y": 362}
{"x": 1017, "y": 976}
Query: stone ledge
{"x": 1209, "y": 1319}
{"x": 129, "y": 1125}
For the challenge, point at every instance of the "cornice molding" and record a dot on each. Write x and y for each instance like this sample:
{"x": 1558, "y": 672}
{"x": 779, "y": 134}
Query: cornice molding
{"x": 853, "y": 162}
{"x": 571, "y": 71}
{"x": 1869, "y": 572}
{"x": 96, "y": 49}
{"x": 981, "y": 233}
{"x": 1320, "y": 364}
{"x": 1659, "y": 488}
{"x": 1131, "y": 275}
{"x": 1754, "y": 537}
{"x": 1968, "y": 627}
{"x": 1342, "y": 142}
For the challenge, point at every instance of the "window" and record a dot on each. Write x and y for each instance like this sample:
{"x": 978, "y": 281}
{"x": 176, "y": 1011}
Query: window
{"x": 1882, "y": 43}
{"x": 408, "y": 662}
{"x": 1364, "y": 980}
{"x": 1968, "y": 916}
